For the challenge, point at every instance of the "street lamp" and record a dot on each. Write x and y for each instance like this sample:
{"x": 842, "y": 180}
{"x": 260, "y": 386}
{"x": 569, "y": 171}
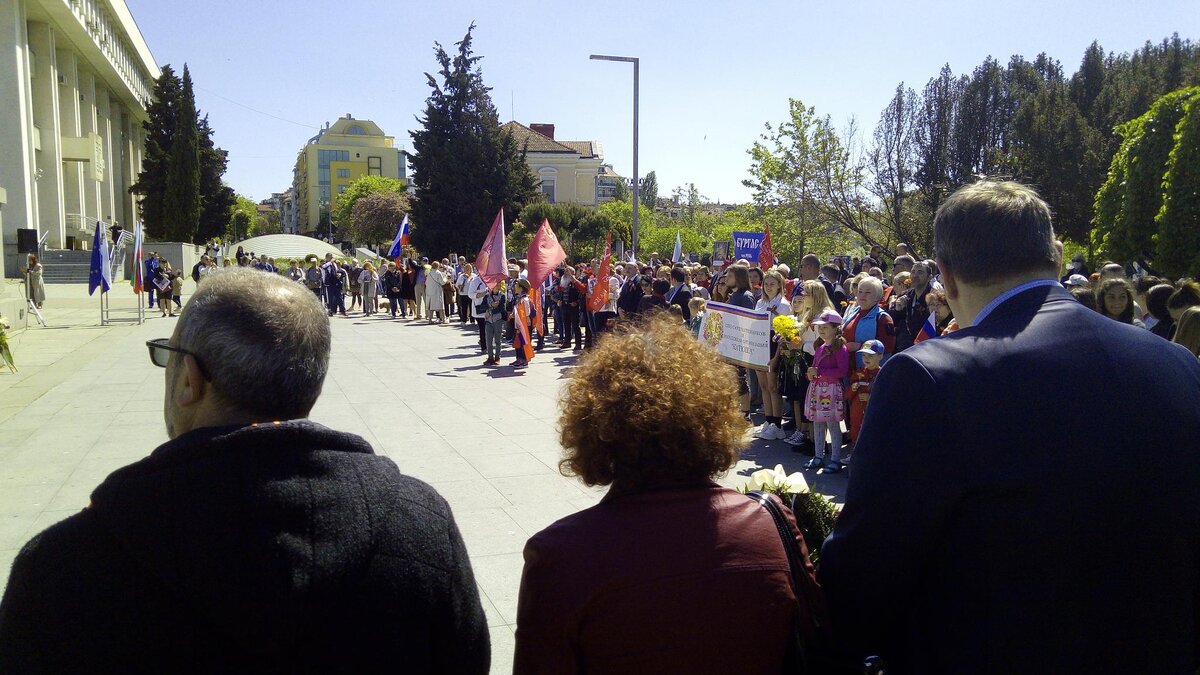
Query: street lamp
{"x": 636, "y": 196}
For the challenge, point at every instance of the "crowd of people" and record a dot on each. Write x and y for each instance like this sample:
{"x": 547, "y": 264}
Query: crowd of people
{"x": 1000, "y": 517}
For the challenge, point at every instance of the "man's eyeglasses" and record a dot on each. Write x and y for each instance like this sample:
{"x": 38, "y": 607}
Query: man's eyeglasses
{"x": 160, "y": 353}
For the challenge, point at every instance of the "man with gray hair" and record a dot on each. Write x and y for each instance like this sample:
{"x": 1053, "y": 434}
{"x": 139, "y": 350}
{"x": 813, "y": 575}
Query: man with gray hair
{"x": 254, "y": 540}
{"x": 995, "y": 520}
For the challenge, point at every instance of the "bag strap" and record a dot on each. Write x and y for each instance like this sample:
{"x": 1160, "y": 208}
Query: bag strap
{"x": 795, "y": 565}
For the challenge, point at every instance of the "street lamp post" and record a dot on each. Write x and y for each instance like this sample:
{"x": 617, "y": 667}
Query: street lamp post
{"x": 636, "y": 192}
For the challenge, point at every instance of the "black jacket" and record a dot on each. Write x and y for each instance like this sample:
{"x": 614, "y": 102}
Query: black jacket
{"x": 1028, "y": 516}
{"x": 276, "y": 548}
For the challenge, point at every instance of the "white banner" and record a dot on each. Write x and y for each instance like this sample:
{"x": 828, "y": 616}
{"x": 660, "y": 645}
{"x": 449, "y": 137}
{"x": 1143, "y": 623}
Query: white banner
{"x": 741, "y": 336}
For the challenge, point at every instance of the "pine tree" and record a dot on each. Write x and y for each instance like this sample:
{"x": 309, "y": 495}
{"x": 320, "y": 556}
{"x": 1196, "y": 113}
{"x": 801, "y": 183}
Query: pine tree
{"x": 151, "y": 185}
{"x": 216, "y": 198}
{"x": 181, "y": 202}
{"x": 465, "y": 168}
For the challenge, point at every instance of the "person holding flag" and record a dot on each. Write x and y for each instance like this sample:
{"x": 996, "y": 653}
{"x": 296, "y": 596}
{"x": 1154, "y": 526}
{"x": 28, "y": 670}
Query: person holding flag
{"x": 522, "y": 314}
{"x": 603, "y": 302}
{"x": 139, "y": 237}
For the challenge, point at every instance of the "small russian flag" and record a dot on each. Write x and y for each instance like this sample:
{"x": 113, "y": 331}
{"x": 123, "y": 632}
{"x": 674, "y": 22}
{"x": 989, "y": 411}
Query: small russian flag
{"x": 401, "y": 239}
{"x": 928, "y": 329}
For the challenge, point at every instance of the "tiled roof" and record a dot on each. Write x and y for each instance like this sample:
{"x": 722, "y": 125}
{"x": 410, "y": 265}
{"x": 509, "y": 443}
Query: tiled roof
{"x": 533, "y": 141}
{"x": 584, "y": 148}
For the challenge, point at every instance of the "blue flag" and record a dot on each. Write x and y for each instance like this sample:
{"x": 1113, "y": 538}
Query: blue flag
{"x": 101, "y": 271}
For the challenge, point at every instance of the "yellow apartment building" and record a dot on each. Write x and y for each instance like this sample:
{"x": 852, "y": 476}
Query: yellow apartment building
{"x": 338, "y": 155}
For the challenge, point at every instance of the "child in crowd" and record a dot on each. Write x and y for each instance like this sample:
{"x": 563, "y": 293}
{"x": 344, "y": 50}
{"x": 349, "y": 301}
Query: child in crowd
{"x": 494, "y": 319}
{"x": 696, "y": 307}
{"x": 177, "y": 290}
{"x": 825, "y": 399}
{"x": 793, "y": 371}
{"x": 860, "y": 384}
{"x": 522, "y": 315}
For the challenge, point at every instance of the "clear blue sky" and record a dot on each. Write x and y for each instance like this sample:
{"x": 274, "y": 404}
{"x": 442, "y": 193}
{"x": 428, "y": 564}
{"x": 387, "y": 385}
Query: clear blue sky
{"x": 711, "y": 73}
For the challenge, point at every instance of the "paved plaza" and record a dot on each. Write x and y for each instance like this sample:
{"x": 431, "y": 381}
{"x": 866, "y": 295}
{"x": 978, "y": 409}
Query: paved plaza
{"x": 87, "y": 401}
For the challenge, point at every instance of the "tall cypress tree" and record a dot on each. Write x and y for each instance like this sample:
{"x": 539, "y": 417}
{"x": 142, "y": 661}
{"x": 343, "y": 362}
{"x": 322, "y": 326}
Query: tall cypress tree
{"x": 151, "y": 185}
{"x": 181, "y": 203}
{"x": 216, "y": 198}
{"x": 465, "y": 167}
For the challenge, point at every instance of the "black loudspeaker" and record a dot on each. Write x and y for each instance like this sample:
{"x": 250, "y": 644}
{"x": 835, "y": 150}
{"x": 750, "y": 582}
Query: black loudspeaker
{"x": 27, "y": 241}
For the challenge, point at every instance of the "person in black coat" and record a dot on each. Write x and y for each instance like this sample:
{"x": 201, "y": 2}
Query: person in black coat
{"x": 246, "y": 544}
{"x": 680, "y": 293}
{"x": 1008, "y": 524}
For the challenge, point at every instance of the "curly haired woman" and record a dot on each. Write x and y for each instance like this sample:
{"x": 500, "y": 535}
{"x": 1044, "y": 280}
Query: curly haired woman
{"x": 669, "y": 569}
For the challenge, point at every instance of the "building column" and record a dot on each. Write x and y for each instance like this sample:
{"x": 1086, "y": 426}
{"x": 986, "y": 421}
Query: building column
{"x": 69, "y": 126}
{"x": 16, "y": 132}
{"x": 87, "y": 125}
{"x": 44, "y": 96}
{"x": 104, "y": 127}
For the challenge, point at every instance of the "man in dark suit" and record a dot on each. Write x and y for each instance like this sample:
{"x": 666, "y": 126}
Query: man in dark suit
{"x": 680, "y": 293}
{"x": 1009, "y": 524}
{"x": 247, "y": 544}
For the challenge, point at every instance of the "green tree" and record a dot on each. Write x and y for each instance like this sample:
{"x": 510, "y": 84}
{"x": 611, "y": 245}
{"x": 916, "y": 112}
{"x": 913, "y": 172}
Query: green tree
{"x": 343, "y": 204}
{"x": 151, "y": 184}
{"x": 1177, "y": 248}
{"x": 376, "y": 216}
{"x": 1131, "y": 200}
{"x": 216, "y": 198}
{"x": 243, "y": 218}
{"x": 622, "y": 193}
{"x": 648, "y": 192}
{"x": 181, "y": 195}
{"x": 181, "y": 200}
{"x": 465, "y": 167}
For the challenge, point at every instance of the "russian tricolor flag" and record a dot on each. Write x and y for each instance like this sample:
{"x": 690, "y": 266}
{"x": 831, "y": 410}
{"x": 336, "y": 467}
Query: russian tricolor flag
{"x": 928, "y": 329}
{"x": 400, "y": 241}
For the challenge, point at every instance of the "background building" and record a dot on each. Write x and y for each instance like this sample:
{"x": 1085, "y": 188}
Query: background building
{"x": 285, "y": 204}
{"x": 566, "y": 170}
{"x": 608, "y": 182}
{"x": 74, "y": 79}
{"x": 332, "y": 160}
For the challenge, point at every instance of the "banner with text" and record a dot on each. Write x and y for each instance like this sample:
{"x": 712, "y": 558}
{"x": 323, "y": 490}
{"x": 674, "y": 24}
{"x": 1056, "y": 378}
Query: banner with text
{"x": 742, "y": 337}
{"x": 746, "y": 245}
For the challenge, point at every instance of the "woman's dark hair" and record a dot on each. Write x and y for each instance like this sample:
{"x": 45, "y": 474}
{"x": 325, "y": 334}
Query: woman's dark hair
{"x": 1156, "y": 301}
{"x": 1108, "y": 285}
{"x": 1142, "y": 285}
{"x": 1085, "y": 296}
{"x": 1188, "y": 295}
{"x": 741, "y": 278}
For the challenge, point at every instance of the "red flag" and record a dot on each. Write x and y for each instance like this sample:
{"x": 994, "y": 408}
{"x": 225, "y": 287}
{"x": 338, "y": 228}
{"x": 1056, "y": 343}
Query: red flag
{"x": 544, "y": 254}
{"x": 600, "y": 295}
{"x": 766, "y": 256}
{"x": 492, "y": 263}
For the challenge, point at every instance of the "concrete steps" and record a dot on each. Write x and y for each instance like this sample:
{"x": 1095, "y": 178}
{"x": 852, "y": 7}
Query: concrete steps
{"x": 66, "y": 267}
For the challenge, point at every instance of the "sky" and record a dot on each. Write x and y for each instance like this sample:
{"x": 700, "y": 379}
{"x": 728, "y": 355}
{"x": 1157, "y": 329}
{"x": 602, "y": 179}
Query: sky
{"x": 269, "y": 74}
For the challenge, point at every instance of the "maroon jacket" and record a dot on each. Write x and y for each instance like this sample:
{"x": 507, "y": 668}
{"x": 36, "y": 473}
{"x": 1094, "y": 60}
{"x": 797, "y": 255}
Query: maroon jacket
{"x": 679, "y": 579}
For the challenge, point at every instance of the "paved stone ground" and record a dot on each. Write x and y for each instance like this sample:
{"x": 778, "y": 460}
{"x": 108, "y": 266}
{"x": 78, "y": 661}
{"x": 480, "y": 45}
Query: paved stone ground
{"x": 87, "y": 400}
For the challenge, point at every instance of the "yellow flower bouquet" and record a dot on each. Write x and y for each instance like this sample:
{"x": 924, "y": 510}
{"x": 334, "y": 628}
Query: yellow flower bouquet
{"x": 786, "y": 327}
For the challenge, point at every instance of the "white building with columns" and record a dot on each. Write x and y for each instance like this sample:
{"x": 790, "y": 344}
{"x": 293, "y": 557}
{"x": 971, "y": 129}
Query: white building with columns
{"x": 75, "y": 76}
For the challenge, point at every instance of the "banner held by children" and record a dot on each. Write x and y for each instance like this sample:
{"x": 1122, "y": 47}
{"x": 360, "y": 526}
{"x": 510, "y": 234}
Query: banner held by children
{"x": 740, "y": 336}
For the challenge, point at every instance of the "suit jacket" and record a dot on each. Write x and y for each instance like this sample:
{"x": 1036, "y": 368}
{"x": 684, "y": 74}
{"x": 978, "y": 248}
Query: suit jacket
{"x": 1031, "y": 516}
{"x": 283, "y": 547}
{"x": 682, "y": 297}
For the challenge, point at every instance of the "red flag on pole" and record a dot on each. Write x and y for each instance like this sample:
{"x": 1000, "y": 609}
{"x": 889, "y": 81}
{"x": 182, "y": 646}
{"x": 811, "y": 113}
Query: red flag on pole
{"x": 492, "y": 263}
{"x": 544, "y": 254}
{"x": 766, "y": 256}
{"x": 600, "y": 295}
